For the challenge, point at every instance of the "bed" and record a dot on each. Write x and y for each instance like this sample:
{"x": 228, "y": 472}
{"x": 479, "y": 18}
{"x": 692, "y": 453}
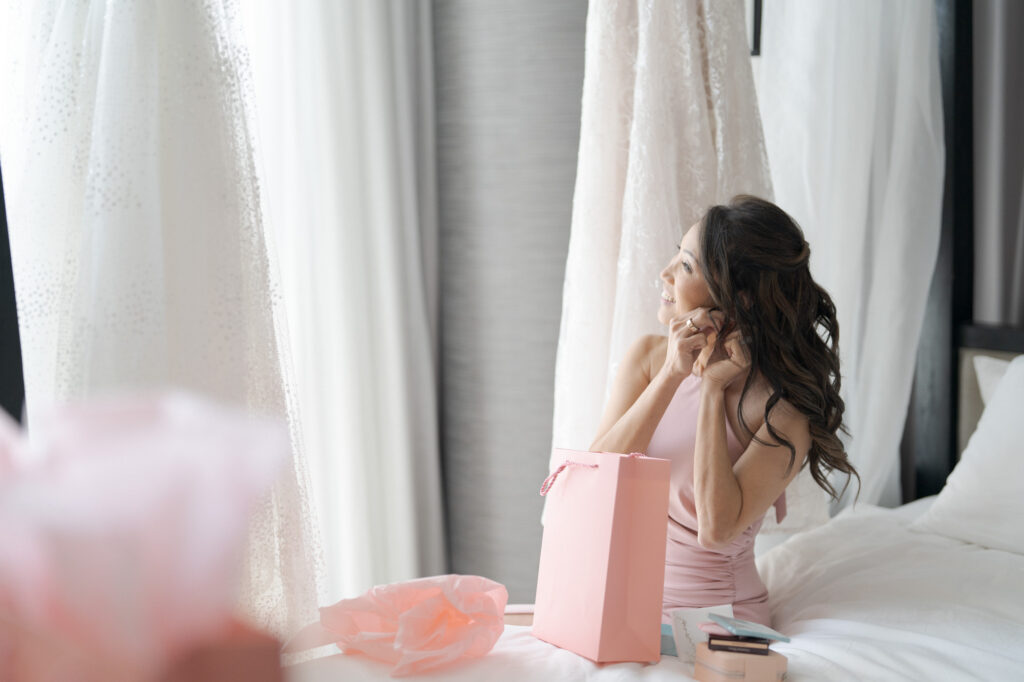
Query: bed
{"x": 863, "y": 598}
{"x": 931, "y": 590}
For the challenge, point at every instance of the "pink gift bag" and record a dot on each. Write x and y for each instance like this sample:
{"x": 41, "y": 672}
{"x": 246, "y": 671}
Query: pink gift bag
{"x": 602, "y": 558}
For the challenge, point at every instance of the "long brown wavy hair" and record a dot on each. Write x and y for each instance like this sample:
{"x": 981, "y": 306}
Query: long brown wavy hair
{"x": 755, "y": 261}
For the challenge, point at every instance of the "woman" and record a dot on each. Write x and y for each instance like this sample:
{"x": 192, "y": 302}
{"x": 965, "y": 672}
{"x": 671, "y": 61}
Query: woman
{"x": 740, "y": 396}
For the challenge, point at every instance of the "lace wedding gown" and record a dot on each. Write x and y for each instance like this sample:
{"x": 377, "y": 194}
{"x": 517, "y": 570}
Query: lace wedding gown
{"x": 670, "y": 126}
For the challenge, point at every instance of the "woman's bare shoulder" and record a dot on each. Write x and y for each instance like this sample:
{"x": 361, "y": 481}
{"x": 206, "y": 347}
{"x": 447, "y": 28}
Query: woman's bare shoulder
{"x": 652, "y": 347}
{"x": 644, "y": 356}
{"x": 653, "y": 342}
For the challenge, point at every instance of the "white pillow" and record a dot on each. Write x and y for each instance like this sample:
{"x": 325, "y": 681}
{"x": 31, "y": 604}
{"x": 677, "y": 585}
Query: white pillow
{"x": 989, "y": 371}
{"x": 983, "y": 499}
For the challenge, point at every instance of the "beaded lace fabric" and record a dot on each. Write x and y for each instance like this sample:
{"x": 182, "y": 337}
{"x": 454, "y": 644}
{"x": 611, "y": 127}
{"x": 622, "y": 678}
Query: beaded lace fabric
{"x": 137, "y": 236}
{"x": 670, "y": 126}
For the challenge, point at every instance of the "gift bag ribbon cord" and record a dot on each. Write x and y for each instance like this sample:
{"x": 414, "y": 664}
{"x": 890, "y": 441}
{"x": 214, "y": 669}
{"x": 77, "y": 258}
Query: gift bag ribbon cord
{"x": 550, "y": 480}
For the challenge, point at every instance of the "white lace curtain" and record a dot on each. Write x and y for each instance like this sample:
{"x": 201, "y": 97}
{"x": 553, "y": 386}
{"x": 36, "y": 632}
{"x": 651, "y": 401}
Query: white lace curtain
{"x": 670, "y": 126}
{"x": 136, "y": 233}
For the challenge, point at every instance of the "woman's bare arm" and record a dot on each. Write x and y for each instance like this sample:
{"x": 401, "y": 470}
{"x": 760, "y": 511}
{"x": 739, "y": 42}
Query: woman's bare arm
{"x": 647, "y": 380}
{"x": 637, "y": 400}
{"x": 730, "y": 497}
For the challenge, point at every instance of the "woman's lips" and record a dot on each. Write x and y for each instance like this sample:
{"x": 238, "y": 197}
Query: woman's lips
{"x": 666, "y": 299}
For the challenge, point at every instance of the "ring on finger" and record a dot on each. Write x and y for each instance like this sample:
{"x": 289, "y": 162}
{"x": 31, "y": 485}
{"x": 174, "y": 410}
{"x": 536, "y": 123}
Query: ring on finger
{"x": 691, "y": 326}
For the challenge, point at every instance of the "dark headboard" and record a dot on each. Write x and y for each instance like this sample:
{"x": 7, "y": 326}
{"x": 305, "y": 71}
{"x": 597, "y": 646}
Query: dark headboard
{"x": 988, "y": 337}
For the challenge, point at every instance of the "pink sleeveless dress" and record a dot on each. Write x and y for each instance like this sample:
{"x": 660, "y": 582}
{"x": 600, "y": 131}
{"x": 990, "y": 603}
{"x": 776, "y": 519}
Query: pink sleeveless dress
{"x": 695, "y": 576}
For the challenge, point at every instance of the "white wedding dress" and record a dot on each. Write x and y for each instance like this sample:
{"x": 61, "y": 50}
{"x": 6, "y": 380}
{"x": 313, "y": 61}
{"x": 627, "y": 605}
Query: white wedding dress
{"x": 670, "y": 126}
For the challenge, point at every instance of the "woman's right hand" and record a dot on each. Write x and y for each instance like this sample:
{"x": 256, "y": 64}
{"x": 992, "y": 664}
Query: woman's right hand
{"x": 686, "y": 341}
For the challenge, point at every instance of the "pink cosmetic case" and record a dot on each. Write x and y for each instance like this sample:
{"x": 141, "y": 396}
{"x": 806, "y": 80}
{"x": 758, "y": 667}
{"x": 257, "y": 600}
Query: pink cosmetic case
{"x": 728, "y": 666}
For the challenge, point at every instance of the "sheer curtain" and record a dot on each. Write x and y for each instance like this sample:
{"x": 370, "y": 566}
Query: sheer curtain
{"x": 137, "y": 234}
{"x": 670, "y": 126}
{"x": 850, "y": 98}
{"x": 345, "y": 111}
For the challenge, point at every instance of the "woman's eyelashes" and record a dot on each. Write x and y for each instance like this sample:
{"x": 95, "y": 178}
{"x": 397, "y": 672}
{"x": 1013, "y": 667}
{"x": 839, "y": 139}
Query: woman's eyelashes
{"x": 686, "y": 266}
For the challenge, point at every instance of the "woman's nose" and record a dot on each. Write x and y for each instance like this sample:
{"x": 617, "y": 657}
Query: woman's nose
{"x": 666, "y": 274}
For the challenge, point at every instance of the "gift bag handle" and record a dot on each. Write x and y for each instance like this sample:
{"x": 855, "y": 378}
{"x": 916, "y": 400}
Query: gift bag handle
{"x": 550, "y": 480}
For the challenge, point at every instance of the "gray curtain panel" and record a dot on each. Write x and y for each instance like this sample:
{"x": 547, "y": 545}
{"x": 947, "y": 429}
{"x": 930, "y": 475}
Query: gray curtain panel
{"x": 998, "y": 162}
{"x": 508, "y": 79}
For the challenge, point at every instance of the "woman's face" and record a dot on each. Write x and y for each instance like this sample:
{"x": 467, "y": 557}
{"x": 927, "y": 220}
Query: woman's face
{"x": 684, "y": 288}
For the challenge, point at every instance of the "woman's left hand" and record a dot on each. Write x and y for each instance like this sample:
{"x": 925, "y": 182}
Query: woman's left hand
{"x": 721, "y": 363}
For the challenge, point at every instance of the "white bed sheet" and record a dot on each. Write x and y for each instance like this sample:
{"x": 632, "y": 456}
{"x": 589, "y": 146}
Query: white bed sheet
{"x": 862, "y": 597}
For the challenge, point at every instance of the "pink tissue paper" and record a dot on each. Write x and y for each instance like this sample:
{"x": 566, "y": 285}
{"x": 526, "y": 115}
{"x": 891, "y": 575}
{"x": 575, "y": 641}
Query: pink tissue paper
{"x": 416, "y": 625}
{"x": 123, "y": 523}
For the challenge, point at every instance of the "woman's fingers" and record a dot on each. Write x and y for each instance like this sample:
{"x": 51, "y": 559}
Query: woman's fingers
{"x": 707, "y": 318}
{"x": 692, "y": 343}
{"x": 704, "y": 319}
{"x": 683, "y": 345}
{"x": 705, "y": 354}
{"x": 737, "y": 353}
